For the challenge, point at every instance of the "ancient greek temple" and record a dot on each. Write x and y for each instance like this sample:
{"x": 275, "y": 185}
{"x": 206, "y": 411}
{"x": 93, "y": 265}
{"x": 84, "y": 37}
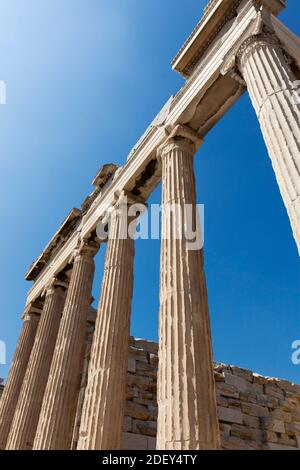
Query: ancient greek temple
{"x": 61, "y": 384}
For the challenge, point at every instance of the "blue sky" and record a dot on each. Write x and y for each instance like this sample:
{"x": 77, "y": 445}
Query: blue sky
{"x": 84, "y": 79}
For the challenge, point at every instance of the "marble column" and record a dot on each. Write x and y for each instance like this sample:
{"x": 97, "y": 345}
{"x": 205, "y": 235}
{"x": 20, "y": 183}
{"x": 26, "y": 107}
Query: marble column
{"x": 103, "y": 409}
{"x": 187, "y": 411}
{"x": 271, "y": 85}
{"x": 17, "y": 371}
{"x": 28, "y": 409}
{"x": 56, "y": 421}
{"x": 84, "y": 376}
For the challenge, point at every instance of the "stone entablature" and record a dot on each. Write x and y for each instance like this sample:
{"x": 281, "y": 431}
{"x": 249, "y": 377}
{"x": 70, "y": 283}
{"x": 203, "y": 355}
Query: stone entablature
{"x": 57, "y": 241}
{"x": 216, "y": 14}
{"x": 202, "y": 101}
{"x": 101, "y": 182}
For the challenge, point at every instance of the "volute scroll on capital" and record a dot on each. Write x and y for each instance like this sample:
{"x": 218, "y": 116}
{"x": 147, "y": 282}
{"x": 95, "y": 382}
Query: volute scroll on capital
{"x": 255, "y": 42}
{"x": 183, "y": 137}
{"x": 260, "y": 31}
{"x": 54, "y": 283}
{"x": 86, "y": 248}
{"x": 32, "y": 310}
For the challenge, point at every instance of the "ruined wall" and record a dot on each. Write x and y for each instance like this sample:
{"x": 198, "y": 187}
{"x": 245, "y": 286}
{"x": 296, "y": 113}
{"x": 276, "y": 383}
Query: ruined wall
{"x": 255, "y": 412}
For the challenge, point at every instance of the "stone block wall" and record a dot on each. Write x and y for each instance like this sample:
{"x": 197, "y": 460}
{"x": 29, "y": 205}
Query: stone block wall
{"x": 141, "y": 401}
{"x": 255, "y": 412}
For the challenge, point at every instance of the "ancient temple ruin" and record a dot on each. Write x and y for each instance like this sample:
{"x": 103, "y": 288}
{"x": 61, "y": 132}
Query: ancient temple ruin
{"x": 67, "y": 384}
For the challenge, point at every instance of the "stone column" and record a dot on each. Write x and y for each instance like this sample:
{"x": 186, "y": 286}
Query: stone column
{"x": 84, "y": 375}
{"x": 56, "y": 422}
{"x": 17, "y": 371}
{"x": 103, "y": 409}
{"x": 28, "y": 409}
{"x": 271, "y": 85}
{"x": 187, "y": 411}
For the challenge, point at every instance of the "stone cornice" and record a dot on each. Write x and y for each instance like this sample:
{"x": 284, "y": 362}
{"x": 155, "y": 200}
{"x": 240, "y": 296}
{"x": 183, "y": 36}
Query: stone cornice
{"x": 216, "y": 15}
{"x": 247, "y": 17}
{"x": 255, "y": 28}
{"x": 104, "y": 175}
{"x": 100, "y": 182}
{"x": 62, "y": 234}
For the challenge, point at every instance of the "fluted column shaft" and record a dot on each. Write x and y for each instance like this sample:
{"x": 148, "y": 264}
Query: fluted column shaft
{"x": 58, "y": 411}
{"x": 16, "y": 375}
{"x": 271, "y": 85}
{"x": 28, "y": 409}
{"x": 187, "y": 412}
{"x": 103, "y": 409}
{"x": 83, "y": 384}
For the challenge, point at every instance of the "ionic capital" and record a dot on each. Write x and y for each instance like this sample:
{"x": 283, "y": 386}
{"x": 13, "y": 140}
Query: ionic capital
{"x": 182, "y": 137}
{"x": 87, "y": 248}
{"x": 54, "y": 283}
{"x": 253, "y": 43}
{"x": 124, "y": 197}
{"x": 235, "y": 64}
{"x": 32, "y": 310}
{"x": 259, "y": 32}
{"x": 123, "y": 201}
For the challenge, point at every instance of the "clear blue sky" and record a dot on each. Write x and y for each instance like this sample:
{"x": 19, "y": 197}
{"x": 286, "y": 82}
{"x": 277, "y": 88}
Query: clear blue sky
{"x": 84, "y": 79}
